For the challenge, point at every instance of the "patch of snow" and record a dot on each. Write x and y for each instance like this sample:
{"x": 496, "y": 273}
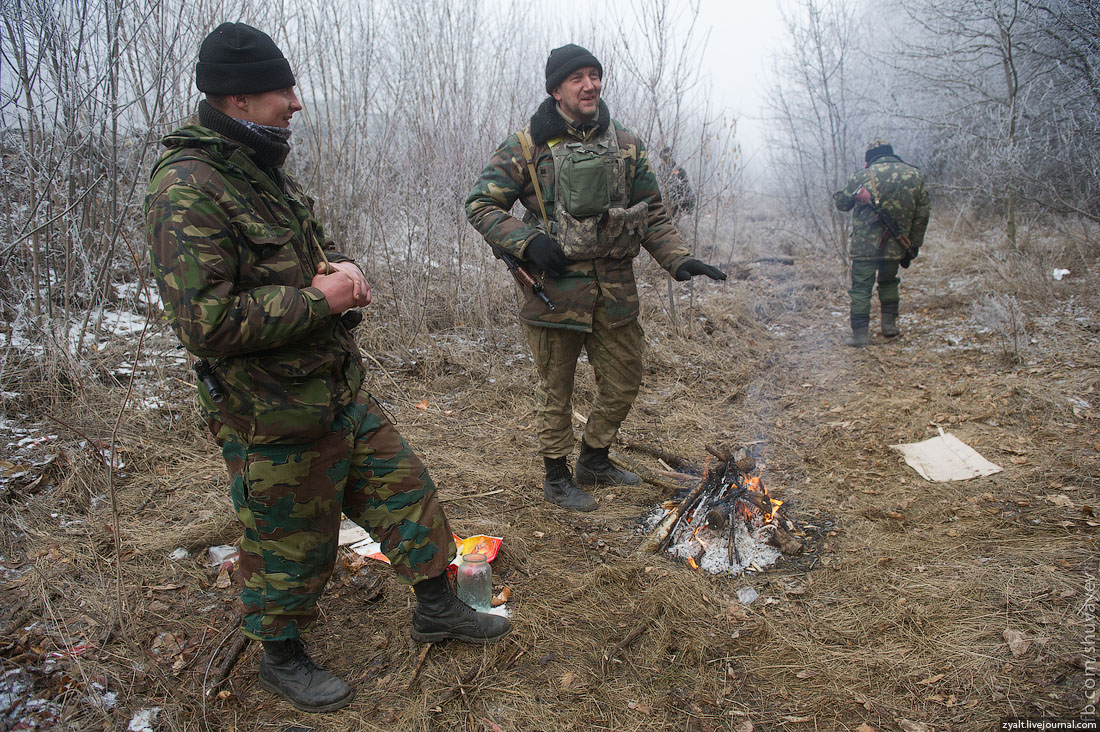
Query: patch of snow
{"x": 143, "y": 719}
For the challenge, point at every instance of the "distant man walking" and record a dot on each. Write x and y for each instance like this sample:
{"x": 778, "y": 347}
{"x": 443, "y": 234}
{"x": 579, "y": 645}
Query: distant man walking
{"x": 592, "y": 202}
{"x": 681, "y": 199}
{"x": 253, "y": 288}
{"x": 885, "y": 188}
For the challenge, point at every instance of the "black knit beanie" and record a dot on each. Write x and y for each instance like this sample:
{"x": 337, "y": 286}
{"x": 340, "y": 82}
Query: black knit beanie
{"x": 238, "y": 59}
{"x": 564, "y": 61}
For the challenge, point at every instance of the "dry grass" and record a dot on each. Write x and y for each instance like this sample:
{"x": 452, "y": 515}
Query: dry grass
{"x": 895, "y": 612}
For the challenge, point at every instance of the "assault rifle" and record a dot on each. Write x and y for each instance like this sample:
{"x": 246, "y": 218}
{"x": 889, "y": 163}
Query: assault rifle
{"x": 891, "y": 228}
{"x": 522, "y": 276}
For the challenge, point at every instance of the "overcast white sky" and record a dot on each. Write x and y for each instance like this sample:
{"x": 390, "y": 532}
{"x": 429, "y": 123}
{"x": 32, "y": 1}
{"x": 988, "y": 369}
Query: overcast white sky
{"x": 743, "y": 36}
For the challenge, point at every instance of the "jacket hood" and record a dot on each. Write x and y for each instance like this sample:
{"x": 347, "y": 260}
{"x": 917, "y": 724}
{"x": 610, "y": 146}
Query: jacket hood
{"x": 547, "y": 123}
{"x": 213, "y": 148}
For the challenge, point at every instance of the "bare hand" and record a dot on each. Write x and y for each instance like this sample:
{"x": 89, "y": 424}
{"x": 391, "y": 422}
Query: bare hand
{"x": 863, "y": 195}
{"x": 362, "y": 287}
{"x": 338, "y": 288}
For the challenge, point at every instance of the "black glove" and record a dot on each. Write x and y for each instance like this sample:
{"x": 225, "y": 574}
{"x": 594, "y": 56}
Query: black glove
{"x": 351, "y": 318}
{"x": 910, "y": 255}
{"x": 694, "y": 268}
{"x": 546, "y": 254}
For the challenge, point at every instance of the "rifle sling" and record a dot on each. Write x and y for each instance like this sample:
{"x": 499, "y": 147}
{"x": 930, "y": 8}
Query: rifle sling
{"x": 525, "y": 143}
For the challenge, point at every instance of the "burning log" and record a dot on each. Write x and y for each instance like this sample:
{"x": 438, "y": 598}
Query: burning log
{"x": 719, "y": 516}
{"x": 663, "y": 530}
{"x": 785, "y": 540}
{"x": 730, "y": 491}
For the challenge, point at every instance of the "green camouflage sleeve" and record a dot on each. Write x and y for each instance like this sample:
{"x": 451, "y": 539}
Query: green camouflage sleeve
{"x": 195, "y": 262}
{"x": 921, "y": 214}
{"x": 845, "y": 198}
{"x": 501, "y": 183}
{"x": 662, "y": 238}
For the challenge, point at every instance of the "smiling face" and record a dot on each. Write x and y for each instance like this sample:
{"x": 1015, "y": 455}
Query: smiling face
{"x": 271, "y": 108}
{"x": 579, "y": 95}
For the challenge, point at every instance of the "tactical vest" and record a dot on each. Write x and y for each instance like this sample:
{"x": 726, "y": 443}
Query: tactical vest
{"x": 591, "y": 219}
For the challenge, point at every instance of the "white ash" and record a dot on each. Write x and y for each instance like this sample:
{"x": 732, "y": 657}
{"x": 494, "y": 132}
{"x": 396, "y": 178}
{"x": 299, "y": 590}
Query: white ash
{"x": 752, "y": 548}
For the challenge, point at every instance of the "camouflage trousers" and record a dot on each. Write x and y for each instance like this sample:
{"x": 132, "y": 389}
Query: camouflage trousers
{"x": 864, "y": 273}
{"x": 616, "y": 358}
{"x": 289, "y": 499}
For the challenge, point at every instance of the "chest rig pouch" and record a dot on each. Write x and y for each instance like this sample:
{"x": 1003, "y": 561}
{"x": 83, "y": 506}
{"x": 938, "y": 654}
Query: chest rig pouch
{"x": 590, "y": 200}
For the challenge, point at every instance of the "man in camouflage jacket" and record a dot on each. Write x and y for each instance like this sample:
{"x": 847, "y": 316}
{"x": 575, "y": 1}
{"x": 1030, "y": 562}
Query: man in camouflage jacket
{"x": 897, "y": 188}
{"x": 252, "y": 287}
{"x": 599, "y": 204}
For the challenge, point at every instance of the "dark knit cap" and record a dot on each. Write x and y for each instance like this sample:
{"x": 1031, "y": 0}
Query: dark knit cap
{"x": 238, "y": 59}
{"x": 564, "y": 61}
{"x": 876, "y": 149}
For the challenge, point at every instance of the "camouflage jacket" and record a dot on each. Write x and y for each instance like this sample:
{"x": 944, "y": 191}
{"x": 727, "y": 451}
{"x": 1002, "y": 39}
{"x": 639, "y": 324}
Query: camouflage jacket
{"x": 506, "y": 179}
{"x": 900, "y": 189}
{"x": 233, "y": 250}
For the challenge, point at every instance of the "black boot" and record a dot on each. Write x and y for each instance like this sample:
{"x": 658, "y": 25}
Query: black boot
{"x": 595, "y": 468}
{"x": 559, "y": 487}
{"x": 890, "y": 320}
{"x": 860, "y": 324}
{"x": 439, "y": 615}
{"x": 287, "y": 671}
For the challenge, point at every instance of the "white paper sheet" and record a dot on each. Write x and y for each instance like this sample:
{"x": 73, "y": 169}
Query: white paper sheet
{"x": 945, "y": 457}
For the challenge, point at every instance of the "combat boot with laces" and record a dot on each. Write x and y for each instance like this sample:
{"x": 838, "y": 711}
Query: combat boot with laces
{"x": 287, "y": 671}
{"x": 594, "y": 467}
{"x": 560, "y": 488}
{"x": 440, "y": 615}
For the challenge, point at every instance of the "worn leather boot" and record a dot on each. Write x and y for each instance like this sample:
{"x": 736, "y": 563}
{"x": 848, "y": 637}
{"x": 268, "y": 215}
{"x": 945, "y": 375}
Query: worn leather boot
{"x": 595, "y": 468}
{"x": 287, "y": 671}
{"x": 859, "y": 337}
{"x": 439, "y": 615}
{"x": 559, "y": 487}
{"x": 890, "y": 320}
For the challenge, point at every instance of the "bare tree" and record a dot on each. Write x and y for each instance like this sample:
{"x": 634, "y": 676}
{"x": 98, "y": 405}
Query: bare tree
{"x": 815, "y": 108}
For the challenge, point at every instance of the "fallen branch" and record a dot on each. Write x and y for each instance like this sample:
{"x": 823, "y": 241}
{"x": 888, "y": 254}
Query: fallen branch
{"x": 419, "y": 665}
{"x": 674, "y": 461}
{"x": 633, "y": 635}
{"x": 475, "y": 495}
{"x": 221, "y": 674}
{"x": 463, "y": 681}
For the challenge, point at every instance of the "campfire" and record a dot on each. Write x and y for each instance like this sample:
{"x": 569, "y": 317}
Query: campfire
{"x": 727, "y": 522}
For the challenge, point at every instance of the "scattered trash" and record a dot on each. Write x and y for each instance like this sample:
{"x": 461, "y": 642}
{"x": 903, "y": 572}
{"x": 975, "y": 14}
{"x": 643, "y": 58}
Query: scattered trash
{"x": 747, "y": 595}
{"x": 945, "y": 457}
{"x": 1058, "y": 274}
{"x": 219, "y": 555}
{"x": 77, "y": 650}
{"x": 361, "y": 542}
{"x": 178, "y": 554}
{"x": 142, "y": 721}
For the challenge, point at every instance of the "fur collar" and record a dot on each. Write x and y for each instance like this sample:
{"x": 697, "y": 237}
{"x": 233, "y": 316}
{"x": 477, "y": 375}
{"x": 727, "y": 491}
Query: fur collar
{"x": 547, "y": 123}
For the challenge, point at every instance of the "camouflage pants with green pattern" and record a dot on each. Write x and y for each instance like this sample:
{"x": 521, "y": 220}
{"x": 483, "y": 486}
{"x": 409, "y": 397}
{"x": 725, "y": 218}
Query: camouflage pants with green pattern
{"x": 864, "y": 273}
{"x": 289, "y": 499}
{"x": 616, "y": 358}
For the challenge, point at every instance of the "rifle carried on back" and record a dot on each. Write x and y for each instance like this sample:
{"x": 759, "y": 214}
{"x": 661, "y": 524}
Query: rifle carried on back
{"x": 890, "y": 226}
{"x": 522, "y": 276}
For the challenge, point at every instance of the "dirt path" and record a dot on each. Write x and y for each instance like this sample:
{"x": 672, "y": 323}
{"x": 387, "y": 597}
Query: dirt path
{"x": 921, "y": 585}
{"x": 915, "y": 607}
